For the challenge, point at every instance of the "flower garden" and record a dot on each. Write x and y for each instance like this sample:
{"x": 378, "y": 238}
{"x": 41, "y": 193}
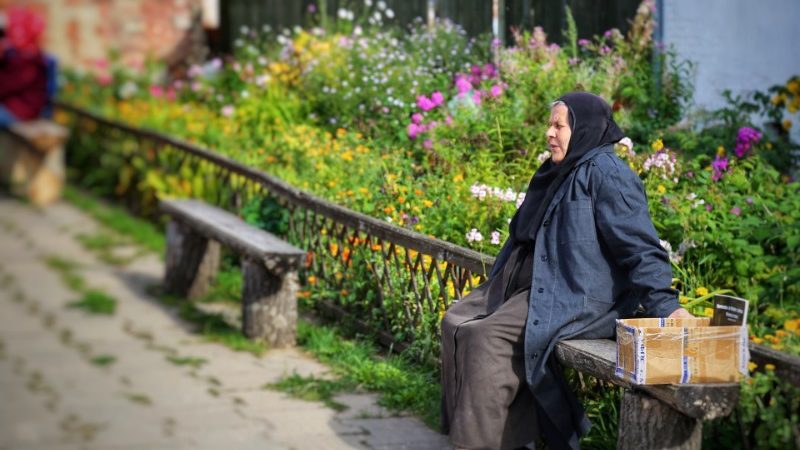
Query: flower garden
{"x": 430, "y": 130}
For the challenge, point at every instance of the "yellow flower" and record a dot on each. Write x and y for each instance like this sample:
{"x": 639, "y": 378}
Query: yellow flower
{"x": 340, "y": 132}
{"x": 657, "y": 145}
{"x": 458, "y": 178}
{"x": 388, "y": 209}
{"x": 792, "y": 325}
{"x": 347, "y": 156}
{"x": 661, "y": 189}
{"x": 793, "y": 86}
{"x": 708, "y": 312}
{"x": 701, "y": 291}
{"x": 427, "y": 203}
{"x": 752, "y": 366}
{"x": 312, "y": 279}
{"x": 787, "y": 124}
{"x": 769, "y": 366}
{"x": 757, "y": 340}
{"x": 777, "y": 99}
{"x": 683, "y": 299}
{"x": 720, "y": 151}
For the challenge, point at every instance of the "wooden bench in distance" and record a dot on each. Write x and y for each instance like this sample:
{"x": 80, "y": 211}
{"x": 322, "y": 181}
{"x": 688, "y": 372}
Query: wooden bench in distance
{"x": 32, "y": 160}
{"x": 269, "y": 266}
{"x": 668, "y": 416}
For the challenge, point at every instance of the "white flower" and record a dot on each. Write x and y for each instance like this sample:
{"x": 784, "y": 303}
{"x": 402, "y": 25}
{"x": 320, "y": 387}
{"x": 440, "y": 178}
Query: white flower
{"x": 495, "y": 238}
{"x": 627, "y": 142}
{"x": 342, "y": 13}
{"x": 244, "y": 29}
{"x": 544, "y": 156}
{"x": 357, "y": 30}
{"x": 520, "y": 199}
{"x": 698, "y": 203}
{"x": 474, "y": 235}
{"x": 691, "y": 196}
{"x": 389, "y": 13}
{"x": 368, "y": 3}
{"x": 381, "y": 5}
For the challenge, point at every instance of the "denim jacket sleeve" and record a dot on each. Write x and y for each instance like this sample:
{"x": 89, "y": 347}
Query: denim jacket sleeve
{"x": 623, "y": 223}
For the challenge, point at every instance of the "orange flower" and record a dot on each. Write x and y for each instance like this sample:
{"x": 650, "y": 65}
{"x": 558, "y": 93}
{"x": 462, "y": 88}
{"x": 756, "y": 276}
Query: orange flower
{"x": 376, "y": 247}
{"x": 334, "y": 248}
{"x": 311, "y": 279}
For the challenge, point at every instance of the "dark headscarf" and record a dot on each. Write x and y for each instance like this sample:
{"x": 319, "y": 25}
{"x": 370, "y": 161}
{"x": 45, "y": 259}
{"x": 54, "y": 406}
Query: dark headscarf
{"x": 592, "y": 126}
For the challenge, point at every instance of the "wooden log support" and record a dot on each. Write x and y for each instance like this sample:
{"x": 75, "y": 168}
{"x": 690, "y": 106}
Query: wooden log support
{"x": 647, "y": 423}
{"x": 32, "y": 160}
{"x": 192, "y": 261}
{"x": 269, "y": 304}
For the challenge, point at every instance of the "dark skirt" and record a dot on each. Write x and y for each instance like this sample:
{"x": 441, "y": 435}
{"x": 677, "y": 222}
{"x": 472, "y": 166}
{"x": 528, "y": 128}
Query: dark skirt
{"x": 486, "y": 402}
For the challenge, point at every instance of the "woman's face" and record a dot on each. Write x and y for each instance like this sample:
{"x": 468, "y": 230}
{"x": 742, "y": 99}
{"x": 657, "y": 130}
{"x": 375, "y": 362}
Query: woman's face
{"x": 559, "y": 132}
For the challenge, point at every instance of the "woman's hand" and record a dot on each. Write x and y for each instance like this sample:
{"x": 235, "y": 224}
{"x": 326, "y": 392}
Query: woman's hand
{"x": 681, "y": 313}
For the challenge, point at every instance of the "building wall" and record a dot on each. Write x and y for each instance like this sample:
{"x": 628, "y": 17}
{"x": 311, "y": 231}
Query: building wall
{"x": 741, "y": 45}
{"x": 81, "y": 32}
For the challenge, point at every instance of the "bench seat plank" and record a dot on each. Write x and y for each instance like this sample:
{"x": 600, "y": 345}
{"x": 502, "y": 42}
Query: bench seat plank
{"x": 231, "y": 231}
{"x": 598, "y": 358}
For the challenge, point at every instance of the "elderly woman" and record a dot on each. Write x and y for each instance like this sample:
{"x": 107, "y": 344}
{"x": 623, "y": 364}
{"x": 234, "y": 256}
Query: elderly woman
{"x": 582, "y": 252}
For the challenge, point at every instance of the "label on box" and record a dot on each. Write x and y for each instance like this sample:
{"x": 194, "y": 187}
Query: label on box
{"x": 729, "y": 311}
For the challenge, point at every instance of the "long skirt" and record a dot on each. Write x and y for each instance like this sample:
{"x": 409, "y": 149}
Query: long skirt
{"x": 486, "y": 402}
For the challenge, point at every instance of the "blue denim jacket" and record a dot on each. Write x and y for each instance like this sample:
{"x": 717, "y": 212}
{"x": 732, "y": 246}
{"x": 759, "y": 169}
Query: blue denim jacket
{"x": 596, "y": 258}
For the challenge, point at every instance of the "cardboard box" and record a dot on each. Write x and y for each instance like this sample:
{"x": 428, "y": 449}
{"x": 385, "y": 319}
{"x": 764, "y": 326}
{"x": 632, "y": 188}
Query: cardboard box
{"x": 677, "y": 351}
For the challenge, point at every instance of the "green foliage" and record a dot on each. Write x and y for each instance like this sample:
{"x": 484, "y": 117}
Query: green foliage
{"x": 95, "y": 302}
{"x": 103, "y": 360}
{"x": 66, "y": 269}
{"x": 191, "y": 361}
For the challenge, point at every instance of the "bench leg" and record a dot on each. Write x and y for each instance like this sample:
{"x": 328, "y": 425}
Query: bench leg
{"x": 647, "y": 423}
{"x": 269, "y": 304}
{"x": 192, "y": 262}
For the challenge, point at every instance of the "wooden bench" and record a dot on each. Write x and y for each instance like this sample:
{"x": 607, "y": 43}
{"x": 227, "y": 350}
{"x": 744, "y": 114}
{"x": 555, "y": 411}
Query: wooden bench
{"x": 269, "y": 266}
{"x": 32, "y": 160}
{"x": 666, "y": 416}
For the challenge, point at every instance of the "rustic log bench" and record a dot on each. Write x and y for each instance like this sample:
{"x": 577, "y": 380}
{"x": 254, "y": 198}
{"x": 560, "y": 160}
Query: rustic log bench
{"x": 32, "y": 160}
{"x": 666, "y": 416}
{"x": 269, "y": 266}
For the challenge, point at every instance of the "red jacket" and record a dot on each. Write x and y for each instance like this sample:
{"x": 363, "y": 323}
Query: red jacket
{"x": 23, "y": 83}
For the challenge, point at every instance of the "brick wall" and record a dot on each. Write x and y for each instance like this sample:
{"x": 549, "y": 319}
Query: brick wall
{"x": 81, "y": 32}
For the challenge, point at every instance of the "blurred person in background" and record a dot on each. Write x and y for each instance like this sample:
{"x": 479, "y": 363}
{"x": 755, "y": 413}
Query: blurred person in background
{"x": 23, "y": 68}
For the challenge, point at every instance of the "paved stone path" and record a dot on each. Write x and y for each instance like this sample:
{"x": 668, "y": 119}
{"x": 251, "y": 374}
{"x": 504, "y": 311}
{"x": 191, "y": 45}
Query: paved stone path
{"x": 52, "y": 396}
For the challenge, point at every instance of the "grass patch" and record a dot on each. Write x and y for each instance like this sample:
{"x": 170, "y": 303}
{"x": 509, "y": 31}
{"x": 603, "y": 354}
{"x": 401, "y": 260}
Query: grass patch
{"x": 314, "y": 389}
{"x": 214, "y": 327}
{"x": 401, "y": 384}
{"x": 140, "y": 231}
{"x": 227, "y": 288}
{"x": 191, "y": 361}
{"x": 140, "y": 399}
{"x": 103, "y": 360}
{"x": 103, "y": 244}
{"x": 67, "y": 270}
{"x": 95, "y": 302}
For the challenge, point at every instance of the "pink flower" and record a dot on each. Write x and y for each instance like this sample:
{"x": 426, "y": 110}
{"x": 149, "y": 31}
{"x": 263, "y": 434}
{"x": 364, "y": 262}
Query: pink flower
{"x": 583, "y": 42}
{"x": 437, "y": 98}
{"x": 105, "y": 79}
{"x": 416, "y": 118}
{"x": 427, "y": 144}
{"x": 476, "y": 97}
{"x": 709, "y": 207}
{"x": 489, "y": 71}
{"x": 413, "y": 130}
{"x": 448, "y": 120}
{"x": 736, "y": 211}
{"x": 385, "y": 110}
{"x": 156, "y": 91}
{"x": 424, "y": 103}
{"x": 227, "y": 110}
{"x": 463, "y": 85}
{"x": 496, "y": 91}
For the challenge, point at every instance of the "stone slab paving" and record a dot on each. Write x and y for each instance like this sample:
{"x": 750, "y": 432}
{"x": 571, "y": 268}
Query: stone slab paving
{"x": 53, "y": 397}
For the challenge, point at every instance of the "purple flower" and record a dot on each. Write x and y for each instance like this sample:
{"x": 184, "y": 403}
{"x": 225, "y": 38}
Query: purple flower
{"x": 604, "y": 50}
{"x": 424, "y": 103}
{"x": 709, "y": 207}
{"x": 749, "y": 200}
{"x": 607, "y": 34}
{"x": 573, "y": 61}
{"x": 745, "y": 139}
{"x": 496, "y": 91}
{"x": 583, "y": 42}
{"x": 489, "y": 71}
{"x": 427, "y": 144}
{"x": 718, "y": 167}
{"x": 416, "y": 118}
{"x": 690, "y": 174}
{"x": 437, "y": 98}
{"x": 736, "y": 211}
{"x": 496, "y": 42}
{"x": 476, "y": 97}
{"x": 312, "y": 8}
